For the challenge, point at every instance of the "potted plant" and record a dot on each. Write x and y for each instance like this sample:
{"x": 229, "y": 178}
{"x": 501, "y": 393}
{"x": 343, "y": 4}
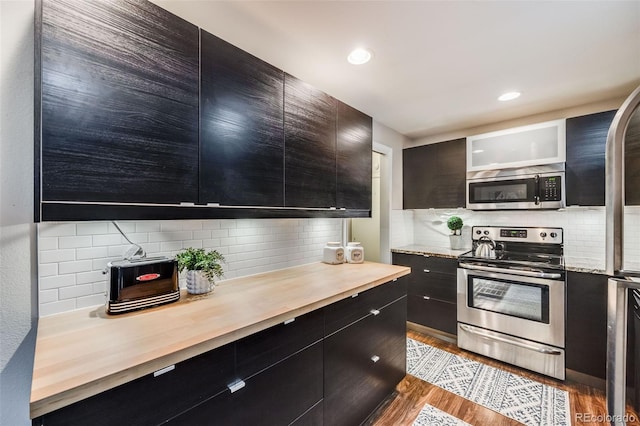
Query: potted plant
{"x": 455, "y": 239}
{"x": 203, "y": 267}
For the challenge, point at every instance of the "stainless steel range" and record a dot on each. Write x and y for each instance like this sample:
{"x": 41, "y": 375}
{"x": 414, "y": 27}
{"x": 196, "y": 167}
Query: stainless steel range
{"x": 511, "y": 297}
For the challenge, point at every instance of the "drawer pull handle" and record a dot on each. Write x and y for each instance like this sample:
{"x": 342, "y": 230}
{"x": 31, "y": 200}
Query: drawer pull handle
{"x": 375, "y": 312}
{"x": 164, "y": 370}
{"x": 354, "y": 295}
{"x": 375, "y": 358}
{"x": 426, "y": 297}
{"x": 395, "y": 279}
{"x": 236, "y": 386}
{"x": 426, "y": 270}
{"x": 426, "y": 255}
{"x": 289, "y": 321}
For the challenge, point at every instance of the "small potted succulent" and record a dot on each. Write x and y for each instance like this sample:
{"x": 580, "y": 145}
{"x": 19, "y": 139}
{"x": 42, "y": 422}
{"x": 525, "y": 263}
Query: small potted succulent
{"x": 455, "y": 225}
{"x": 203, "y": 267}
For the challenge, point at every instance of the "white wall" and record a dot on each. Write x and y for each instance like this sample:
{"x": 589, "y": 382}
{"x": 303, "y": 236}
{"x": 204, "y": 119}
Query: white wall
{"x": 17, "y": 231}
{"x": 72, "y": 255}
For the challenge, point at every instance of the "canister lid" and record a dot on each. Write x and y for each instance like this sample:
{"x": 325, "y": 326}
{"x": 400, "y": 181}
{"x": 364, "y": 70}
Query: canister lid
{"x": 354, "y": 244}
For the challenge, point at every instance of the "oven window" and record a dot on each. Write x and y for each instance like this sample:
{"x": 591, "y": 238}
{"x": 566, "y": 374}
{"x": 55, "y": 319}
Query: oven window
{"x": 522, "y": 300}
{"x": 502, "y": 191}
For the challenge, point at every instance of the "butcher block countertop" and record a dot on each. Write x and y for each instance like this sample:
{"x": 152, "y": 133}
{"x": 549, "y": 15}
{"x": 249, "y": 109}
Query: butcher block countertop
{"x": 82, "y": 353}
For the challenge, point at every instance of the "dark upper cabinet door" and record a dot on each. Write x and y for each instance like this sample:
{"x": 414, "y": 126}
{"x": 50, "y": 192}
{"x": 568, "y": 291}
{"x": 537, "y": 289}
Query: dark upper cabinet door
{"x": 119, "y": 103}
{"x": 310, "y": 145}
{"x": 434, "y": 175}
{"x": 353, "y": 158}
{"x": 585, "y": 166}
{"x": 241, "y": 133}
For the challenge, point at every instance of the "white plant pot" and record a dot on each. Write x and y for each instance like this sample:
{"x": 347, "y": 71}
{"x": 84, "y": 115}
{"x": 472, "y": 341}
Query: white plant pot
{"x": 456, "y": 242}
{"x": 198, "y": 283}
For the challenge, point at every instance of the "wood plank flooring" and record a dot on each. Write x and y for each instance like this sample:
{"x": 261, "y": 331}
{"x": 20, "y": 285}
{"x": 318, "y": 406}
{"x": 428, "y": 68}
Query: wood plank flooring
{"x": 587, "y": 404}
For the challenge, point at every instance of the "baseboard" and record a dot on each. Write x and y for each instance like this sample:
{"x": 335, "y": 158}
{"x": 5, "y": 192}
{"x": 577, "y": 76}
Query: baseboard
{"x": 442, "y": 335}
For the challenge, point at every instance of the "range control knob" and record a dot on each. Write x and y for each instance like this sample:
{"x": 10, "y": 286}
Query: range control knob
{"x": 553, "y": 235}
{"x": 486, "y": 232}
{"x": 478, "y": 232}
{"x": 543, "y": 234}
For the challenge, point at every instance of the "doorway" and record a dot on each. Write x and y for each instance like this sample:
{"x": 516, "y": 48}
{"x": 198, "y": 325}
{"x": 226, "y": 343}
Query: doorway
{"x": 373, "y": 232}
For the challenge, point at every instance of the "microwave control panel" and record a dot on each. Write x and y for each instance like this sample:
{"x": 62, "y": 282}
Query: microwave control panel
{"x": 551, "y": 188}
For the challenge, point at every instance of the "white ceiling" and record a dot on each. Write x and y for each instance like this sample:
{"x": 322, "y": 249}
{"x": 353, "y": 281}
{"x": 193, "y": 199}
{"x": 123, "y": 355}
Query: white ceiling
{"x": 440, "y": 65}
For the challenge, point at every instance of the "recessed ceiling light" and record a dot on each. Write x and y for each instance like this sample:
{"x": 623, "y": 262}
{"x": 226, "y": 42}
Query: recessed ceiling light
{"x": 509, "y": 96}
{"x": 359, "y": 56}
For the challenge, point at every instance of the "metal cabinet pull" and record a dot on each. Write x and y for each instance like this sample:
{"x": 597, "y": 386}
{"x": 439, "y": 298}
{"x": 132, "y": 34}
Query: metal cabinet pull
{"x": 289, "y": 321}
{"x": 236, "y": 386}
{"x": 374, "y": 312}
{"x": 426, "y": 270}
{"x": 426, "y": 297}
{"x": 354, "y": 295}
{"x": 375, "y": 358}
{"x": 164, "y": 370}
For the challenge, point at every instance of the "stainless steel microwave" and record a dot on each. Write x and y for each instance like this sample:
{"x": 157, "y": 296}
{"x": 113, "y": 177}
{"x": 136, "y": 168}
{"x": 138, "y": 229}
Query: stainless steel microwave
{"x": 533, "y": 188}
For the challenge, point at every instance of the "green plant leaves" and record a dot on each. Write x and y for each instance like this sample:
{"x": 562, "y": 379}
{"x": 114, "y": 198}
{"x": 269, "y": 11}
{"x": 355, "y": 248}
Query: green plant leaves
{"x": 197, "y": 259}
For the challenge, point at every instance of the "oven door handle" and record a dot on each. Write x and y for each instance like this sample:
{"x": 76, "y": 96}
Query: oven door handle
{"x": 552, "y": 275}
{"x": 542, "y": 349}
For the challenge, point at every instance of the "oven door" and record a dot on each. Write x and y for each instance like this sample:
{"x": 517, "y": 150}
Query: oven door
{"x": 527, "y": 307}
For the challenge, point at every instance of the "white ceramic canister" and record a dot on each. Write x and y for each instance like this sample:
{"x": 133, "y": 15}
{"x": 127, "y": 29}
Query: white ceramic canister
{"x": 333, "y": 253}
{"x": 354, "y": 252}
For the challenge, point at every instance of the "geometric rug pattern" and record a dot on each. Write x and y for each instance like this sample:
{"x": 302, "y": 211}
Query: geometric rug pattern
{"x": 431, "y": 416}
{"x": 516, "y": 397}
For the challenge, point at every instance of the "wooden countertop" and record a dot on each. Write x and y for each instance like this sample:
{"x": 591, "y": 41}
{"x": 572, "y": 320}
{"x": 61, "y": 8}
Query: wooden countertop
{"x": 82, "y": 353}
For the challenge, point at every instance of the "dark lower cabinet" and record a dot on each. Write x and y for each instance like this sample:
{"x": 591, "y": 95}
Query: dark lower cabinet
{"x": 152, "y": 400}
{"x": 277, "y": 396}
{"x": 117, "y": 103}
{"x": 432, "y": 313}
{"x": 363, "y": 364}
{"x": 295, "y": 373}
{"x": 432, "y": 290}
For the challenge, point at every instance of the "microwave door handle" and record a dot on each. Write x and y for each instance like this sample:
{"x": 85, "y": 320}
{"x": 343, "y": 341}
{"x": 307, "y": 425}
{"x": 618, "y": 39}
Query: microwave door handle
{"x": 536, "y": 197}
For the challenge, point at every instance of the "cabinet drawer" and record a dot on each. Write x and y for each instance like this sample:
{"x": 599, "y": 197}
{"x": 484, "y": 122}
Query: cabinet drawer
{"x": 152, "y": 400}
{"x": 277, "y": 396}
{"x": 435, "y": 286}
{"x": 432, "y": 313}
{"x": 363, "y": 364}
{"x": 313, "y": 417}
{"x": 261, "y": 350}
{"x": 352, "y": 309}
{"x": 418, "y": 263}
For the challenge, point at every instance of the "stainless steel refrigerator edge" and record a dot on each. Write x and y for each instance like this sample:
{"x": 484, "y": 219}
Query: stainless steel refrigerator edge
{"x": 619, "y": 280}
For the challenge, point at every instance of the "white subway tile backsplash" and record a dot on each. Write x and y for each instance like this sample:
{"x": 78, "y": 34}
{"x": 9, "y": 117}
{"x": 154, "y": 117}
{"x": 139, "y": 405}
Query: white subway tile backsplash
{"x": 56, "y": 229}
{"x": 92, "y": 228}
{"x": 107, "y": 239}
{"x": 55, "y": 256}
{"x": 74, "y": 267}
{"x": 74, "y": 242}
{"x": 73, "y": 255}
{"x": 57, "y": 281}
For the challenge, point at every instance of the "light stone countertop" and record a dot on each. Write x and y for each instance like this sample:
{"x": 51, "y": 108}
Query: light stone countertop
{"x": 430, "y": 251}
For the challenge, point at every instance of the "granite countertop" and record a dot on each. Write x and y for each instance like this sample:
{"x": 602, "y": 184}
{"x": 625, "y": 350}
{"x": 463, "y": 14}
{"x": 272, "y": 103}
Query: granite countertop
{"x": 449, "y": 253}
{"x": 84, "y": 352}
{"x": 429, "y": 251}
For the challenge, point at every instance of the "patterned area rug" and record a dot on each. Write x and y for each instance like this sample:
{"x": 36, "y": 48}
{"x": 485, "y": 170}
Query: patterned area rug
{"x": 516, "y": 397}
{"x": 431, "y": 416}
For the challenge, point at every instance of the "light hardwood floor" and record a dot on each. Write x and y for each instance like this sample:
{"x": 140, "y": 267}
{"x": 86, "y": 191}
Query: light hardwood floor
{"x": 587, "y": 403}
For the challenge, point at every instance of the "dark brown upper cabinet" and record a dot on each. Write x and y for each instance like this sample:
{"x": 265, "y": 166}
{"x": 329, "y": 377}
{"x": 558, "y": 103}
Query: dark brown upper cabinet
{"x": 353, "y": 158}
{"x": 116, "y": 104}
{"x": 585, "y": 166}
{"x": 434, "y": 175}
{"x": 241, "y": 127}
{"x": 310, "y": 145}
